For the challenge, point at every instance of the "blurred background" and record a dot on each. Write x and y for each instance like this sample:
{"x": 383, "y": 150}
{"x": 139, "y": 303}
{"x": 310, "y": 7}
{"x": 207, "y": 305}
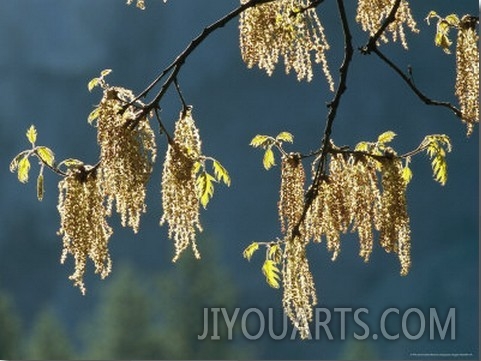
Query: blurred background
{"x": 150, "y": 308}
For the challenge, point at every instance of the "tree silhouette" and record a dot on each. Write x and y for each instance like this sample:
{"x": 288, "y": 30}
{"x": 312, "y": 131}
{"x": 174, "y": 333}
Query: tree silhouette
{"x": 359, "y": 187}
{"x": 48, "y": 339}
{"x": 10, "y": 339}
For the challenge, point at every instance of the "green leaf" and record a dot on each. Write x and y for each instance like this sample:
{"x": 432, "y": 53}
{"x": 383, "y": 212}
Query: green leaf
{"x": 32, "y": 135}
{"x": 250, "y": 250}
{"x": 271, "y": 272}
{"x": 40, "y": 189}
{"x": 285, "y": 137}
{"x": 260, "y": 141}
{"x": 441, "y": 39}
{"x": 407, "y": 175}
{"x": 93, "y": 83}
{"x": 197, "y": 166}
{"x": 71, "y": 163}
{"x": 46, "y": 155}
{"x": 105, "y": 72}
{"x": 221, "y": 173}
{"x": 432, "y": 14}
{"x": 94, "y": 114}
{"x": 362, "y": 147}
{"x": 386, "y": 137}
{"x": 205, "y": 188}
{"x": 23, "y": 169}
{"x": 14, "y": 162}
{"x": 452, "y": 19}
{"x": 436, "y": 146}
{"x": 268, "y": 160}
{"x": 275, "y": 253}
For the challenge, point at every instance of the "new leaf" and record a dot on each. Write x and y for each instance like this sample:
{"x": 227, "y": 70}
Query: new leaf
{"x": 285, "y": 137}
{"x": 260, "y": 141}
{"x": 386, "y": 137}
{"x": 46, "y": 155}
{"x": 23, "y": 169}
{"x": 250, "y": 250}
{"x": 270, "y": 270}
{"x": 205, "y": 188}
{"x": 32, "y": 135}
{"x": 221, "y": 173}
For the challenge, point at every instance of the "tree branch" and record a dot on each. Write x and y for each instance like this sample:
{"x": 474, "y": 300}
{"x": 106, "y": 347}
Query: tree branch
{"x": 175, "y": 66}
{"x": 333, "y": 106}
{"x": 409, "y": 81}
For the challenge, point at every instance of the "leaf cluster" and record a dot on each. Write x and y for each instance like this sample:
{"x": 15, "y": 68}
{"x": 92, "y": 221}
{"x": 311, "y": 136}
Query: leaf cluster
{"x": 21, "y": 163}
{"x": 205, "y": 181}
{"x": 267, "y": 142}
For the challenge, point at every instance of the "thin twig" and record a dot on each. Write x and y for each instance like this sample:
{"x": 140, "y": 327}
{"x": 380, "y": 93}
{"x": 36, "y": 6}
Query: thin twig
{"x": 162, "y": 127}
{"x": 333, "y": 106}
{"x": 175, "y": 66}
{"x": 409, "y": 81}
{"x": 185, "y": 107}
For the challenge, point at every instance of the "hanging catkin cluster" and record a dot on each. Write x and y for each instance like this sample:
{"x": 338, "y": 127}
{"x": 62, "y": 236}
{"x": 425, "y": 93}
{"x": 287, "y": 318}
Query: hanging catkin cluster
{"x": 393, "y": 221}
{"x": 467, "y": 71}
{"x": 179, "y": 197}
{"x": 291, "y": 202}
{"x": 284, "y": 28}
{"x": 371, "y": 14}
{"x": 127, "y": 155}
{"x": 83, "y": 224}
{"x": 349, "y": 198}
{"x": 299, "y": 296}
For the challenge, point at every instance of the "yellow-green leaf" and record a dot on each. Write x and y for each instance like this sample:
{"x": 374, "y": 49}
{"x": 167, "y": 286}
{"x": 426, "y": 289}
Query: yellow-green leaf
{"x": 440, "y": 169}
{"x": 432, "y": 14}
{"x": 407, "y": 175}
{"x": 23, "y": 169}
{"x": 71, "y": 163}
{"x": 275, "y": 253}
{"x": 436, "y": 146}
{"x": 32, "y": 135}
{"x": 14, "y": 162}
{"x": 452, "y": 19}
{"x": 285, "y": 137}
{"x": 268, "y": 160}
{"x": 362, "y": 147}
{"x": 94, "y": 114}
{"x": 46, "y": 155}
{"x": 40, "y": 189}
{"x": 205, "y": 188}
{"x": 105, "y": 72}
{"x": 271, "y": 272}
{"x": 386, "y": 137}
{"x": 93, "y": 83}
{"x": 260, "y": 140}
{"x": 441, "y": 39}
{"x": 221, "y": 173}
{"x": 197, "y": 166}
{"x": 250, "y": 250}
